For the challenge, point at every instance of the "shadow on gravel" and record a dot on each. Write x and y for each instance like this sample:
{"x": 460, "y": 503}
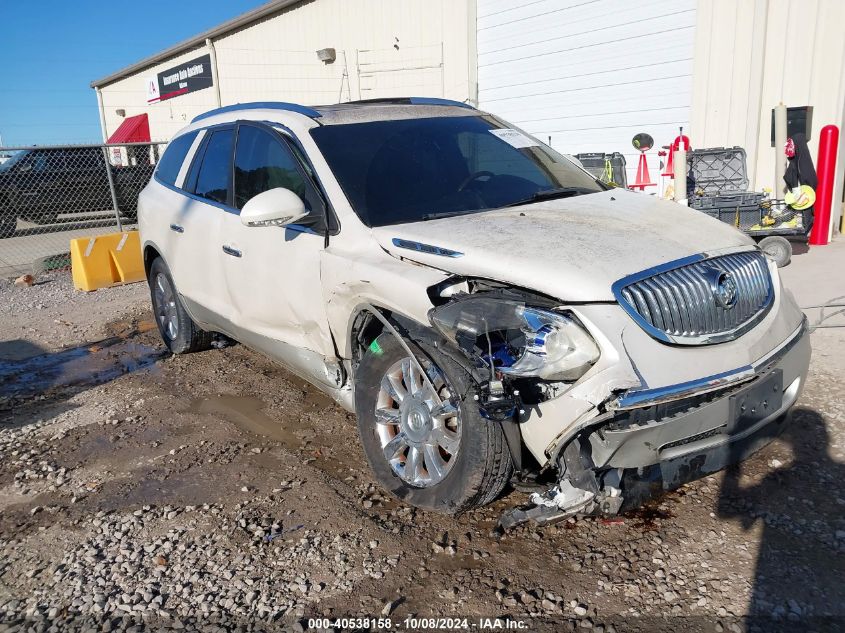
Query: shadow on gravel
{"x": 798, "y": 574}
{"x": 29, "y": 375}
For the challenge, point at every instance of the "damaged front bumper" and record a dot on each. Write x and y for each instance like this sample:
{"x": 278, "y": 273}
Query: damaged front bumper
{"x": 644, "y": 439}
{"x": 704, "y": 417}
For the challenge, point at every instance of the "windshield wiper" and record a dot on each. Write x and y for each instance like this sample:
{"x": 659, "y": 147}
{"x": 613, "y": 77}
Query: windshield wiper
{"x": 544, "y": 194}
{"x": 446, "y": 214}
{"x": 551, "y": 194}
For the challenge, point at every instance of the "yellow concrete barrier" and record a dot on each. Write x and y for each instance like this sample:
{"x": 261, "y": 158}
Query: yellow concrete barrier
{"x": 106, "y": 260}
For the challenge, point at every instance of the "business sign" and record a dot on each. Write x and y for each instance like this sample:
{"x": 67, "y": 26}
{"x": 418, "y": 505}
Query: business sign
{"x": 152, "y": 89}
{"x": 187, "y": 77}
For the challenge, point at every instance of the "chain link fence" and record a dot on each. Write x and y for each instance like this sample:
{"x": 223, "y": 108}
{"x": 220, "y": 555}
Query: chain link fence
{"x": 52, "y": 194}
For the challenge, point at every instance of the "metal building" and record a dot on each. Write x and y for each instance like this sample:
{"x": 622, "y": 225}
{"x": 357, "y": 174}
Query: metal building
{"x": 583, "y": 75}
{"x": 303, "y": 51}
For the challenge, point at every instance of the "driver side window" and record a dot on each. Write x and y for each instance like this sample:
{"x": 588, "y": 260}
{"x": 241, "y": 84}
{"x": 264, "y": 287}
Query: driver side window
{"x": 37, "y": 161}
{"x": 262, "y": 162}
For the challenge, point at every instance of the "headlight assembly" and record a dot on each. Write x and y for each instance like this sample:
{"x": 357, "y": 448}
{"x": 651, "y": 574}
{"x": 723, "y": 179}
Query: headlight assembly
{"x": 517, "y": 339}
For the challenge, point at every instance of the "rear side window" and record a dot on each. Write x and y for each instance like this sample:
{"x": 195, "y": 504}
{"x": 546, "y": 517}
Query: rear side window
{"x": 174, "y": 156}
{"x": 262, "y": 163}
{"x": 84, "y": 159}
{"x": 44, "y": 161}
{"x": 214, "y": 176}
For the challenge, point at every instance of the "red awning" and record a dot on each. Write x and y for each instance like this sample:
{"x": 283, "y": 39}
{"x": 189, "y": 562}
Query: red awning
{"x": 135, "y": 129}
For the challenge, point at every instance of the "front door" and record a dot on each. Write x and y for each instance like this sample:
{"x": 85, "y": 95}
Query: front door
{"x": 38, "y": 179}
{"x": 273, "y": 273}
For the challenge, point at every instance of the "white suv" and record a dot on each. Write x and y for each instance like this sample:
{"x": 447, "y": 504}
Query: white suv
{"x": 484, "y": 305}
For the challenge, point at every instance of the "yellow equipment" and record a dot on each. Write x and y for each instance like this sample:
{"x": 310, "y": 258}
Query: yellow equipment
{"x": 106, "y": 260}
{"x": 804, "y": 200}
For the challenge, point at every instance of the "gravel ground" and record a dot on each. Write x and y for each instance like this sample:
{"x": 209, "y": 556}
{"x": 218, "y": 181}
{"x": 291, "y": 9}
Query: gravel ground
{"x": 217, "y": 491}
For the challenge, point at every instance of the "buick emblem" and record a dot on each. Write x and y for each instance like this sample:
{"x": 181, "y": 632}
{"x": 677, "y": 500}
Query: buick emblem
{"x": 724, "y": 287}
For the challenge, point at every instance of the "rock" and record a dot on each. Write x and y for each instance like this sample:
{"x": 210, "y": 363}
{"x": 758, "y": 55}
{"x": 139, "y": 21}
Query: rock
{"x": 387, "y": 609}
{"x": 25, "y": 280}
{"x": 580, "y": 610}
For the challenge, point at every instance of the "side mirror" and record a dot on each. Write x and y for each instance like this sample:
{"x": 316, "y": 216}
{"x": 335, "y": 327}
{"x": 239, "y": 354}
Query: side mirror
{"x": 274, "y": 207}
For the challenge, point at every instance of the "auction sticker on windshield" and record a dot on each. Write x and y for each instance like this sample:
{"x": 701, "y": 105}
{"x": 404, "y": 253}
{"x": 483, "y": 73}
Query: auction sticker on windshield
{"x": 515, "y": 138}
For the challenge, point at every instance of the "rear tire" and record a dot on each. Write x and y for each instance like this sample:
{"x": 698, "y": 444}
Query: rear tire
{"x": 177, "y": 329}
{"x": 778, "y": 248}
{"x": 480, "y": 465}
{"x": 8, "y": 226}
{"x": 8, "y": 217}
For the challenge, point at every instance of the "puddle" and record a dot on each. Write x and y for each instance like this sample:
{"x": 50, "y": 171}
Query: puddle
{"x": 86, "y": 365}
{"x": 130, "y": 328}
{"x": 312, "y": 396}
{"x": 245, "y": 413}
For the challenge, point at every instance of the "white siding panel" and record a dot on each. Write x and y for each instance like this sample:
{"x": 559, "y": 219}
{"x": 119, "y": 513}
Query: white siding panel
{"x": 748, "y": 59}
{"x": 384, "y": 48}
{"x": 587, "y": 75}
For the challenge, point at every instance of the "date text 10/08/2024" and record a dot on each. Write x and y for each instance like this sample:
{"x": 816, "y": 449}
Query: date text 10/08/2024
{"x": 419, "y": 624}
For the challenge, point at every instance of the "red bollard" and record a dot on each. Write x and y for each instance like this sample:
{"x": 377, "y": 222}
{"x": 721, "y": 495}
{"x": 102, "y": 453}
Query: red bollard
{"x": 828, "y": 142}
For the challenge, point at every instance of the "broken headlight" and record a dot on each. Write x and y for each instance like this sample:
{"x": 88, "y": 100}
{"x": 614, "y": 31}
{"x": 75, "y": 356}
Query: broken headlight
{"x": 516, "y": 339}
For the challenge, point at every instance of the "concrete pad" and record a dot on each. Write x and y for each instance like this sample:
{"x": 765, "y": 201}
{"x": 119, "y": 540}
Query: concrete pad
{"x": 815, "y": 278}
{"x": 32, "y": 243}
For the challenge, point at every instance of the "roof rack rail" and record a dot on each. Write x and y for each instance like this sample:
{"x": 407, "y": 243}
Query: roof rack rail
{"x": 414, "y": 101}
{"x": 260, "y": 105}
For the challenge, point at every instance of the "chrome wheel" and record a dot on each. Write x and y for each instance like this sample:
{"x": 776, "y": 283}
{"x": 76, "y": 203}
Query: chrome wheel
{"x": 420, "y": 439}
{"x": 165, "y": 306}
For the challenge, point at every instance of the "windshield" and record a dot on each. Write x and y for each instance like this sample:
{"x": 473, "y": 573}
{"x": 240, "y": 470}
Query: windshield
{"x": 416, "y": 169}
{"x": 15, "y": 158}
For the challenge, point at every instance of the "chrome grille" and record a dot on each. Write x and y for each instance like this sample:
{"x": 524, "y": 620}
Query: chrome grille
{"x": 687, "y": 302}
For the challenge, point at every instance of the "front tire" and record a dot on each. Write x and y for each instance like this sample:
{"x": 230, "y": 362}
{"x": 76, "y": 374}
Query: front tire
{"x": 177, "y": 329}
{"x": 440, "y": 457}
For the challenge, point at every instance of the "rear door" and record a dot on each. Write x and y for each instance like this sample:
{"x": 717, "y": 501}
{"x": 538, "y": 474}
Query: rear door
{"x": 85, "y": 181}
{"x": 39, "y": 178}
{"x": 196, "y": 259}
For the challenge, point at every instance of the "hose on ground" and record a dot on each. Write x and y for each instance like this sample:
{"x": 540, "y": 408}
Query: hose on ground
{"x": 819, "y": 323}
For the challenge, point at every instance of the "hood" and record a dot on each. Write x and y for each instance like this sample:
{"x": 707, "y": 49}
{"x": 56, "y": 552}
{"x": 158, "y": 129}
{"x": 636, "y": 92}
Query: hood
{"x": 572, "y": 249}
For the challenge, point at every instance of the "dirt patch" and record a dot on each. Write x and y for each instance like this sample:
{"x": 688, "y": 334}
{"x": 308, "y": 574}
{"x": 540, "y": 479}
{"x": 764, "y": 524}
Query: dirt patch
{"x": 142, "y": 487}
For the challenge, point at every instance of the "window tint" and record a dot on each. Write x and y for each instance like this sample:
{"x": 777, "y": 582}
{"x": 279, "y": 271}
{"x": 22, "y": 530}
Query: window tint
{"x": 407, "y": 170}
{"x": 261, "y": 163}
{"x": 213, "y": 179}
{"x": 85, "y": 159}
{"x": 43, "y": 161}
{"x": 483, "y": 153}
{"x": 171, "y": 162}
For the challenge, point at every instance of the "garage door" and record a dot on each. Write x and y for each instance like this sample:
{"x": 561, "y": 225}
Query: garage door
{"x": 588, "y": 75}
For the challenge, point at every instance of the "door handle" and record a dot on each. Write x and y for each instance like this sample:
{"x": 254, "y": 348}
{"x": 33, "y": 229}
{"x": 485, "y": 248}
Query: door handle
{"x": 234, "y": 252}
{"x": 178, "y": 228}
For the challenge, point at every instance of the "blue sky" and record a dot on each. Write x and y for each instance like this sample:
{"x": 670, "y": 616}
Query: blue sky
{"x": 52, "y": 50}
